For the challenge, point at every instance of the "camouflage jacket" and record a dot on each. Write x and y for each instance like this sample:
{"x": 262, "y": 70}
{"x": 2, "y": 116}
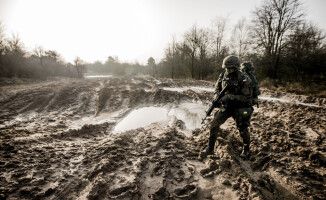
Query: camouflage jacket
{"x": 240, "y": 87}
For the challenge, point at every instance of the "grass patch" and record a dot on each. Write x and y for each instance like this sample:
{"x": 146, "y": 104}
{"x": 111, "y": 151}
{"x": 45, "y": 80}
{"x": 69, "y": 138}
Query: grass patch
{"x": 313, "y": 88}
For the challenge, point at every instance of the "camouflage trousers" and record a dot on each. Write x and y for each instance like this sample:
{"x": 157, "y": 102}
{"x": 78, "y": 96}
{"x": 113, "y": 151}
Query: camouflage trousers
{"x": 240, "y": 115}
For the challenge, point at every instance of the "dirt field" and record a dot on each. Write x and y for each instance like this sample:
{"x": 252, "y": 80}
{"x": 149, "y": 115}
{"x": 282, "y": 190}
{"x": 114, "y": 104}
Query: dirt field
{"x": 69, "y": 139}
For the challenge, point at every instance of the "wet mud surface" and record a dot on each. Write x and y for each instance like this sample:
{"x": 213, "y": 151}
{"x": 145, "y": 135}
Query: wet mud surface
{"x": 58, "y": 141}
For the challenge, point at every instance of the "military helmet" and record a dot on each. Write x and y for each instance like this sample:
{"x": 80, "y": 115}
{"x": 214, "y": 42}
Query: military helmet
{"x": 248, "y": 65}
{"x": 231, "y": 62}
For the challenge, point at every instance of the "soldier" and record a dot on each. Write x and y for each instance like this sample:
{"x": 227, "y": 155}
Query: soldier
{"x": 236, "y": 103}
{"x": 248, "y": 67}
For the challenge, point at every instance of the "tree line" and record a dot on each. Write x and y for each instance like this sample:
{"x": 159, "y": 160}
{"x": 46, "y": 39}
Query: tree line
{"x": 115, "y": 67}
{"x": 278, "y": 39}
{"x": 15, "y": 61}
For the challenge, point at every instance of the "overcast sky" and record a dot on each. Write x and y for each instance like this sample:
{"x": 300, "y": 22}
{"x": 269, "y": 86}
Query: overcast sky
{"x": 133, "y": 30}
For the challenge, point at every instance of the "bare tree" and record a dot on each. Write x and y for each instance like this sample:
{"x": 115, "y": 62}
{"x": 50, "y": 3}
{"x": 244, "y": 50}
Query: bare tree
{"x": 304, "y": 48}
{"x": 191, "y": 39}
{"x": 203, "y": 44}
{"x": 183, "y": 60}
{"x": 15, "y": 46}
{"x": 272, "y": 21}
{"x": 39, "y": 52}
{"x": 80, "y": 67}
{"x": 218, "y": 27}
{"x": 2, "y": 40}
{"x": 151, "y": 64}
{"x": 169, "y": 57}
{"x": 240, "y": 38}
{"x": 173, "y": 54}
{"x": 54, "y": 55}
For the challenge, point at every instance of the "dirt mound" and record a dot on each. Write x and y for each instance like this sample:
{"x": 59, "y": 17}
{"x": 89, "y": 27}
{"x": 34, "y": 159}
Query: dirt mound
{"x": 57, "y": 142}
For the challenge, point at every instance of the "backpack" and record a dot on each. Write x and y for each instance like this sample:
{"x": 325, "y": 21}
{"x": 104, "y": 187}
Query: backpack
{"x": 248, "y": 68}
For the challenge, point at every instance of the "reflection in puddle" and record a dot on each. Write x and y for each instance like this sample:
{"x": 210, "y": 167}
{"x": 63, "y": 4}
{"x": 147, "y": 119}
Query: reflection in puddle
{"x": 142, "y": 117}
{"x": 190, "y": 113}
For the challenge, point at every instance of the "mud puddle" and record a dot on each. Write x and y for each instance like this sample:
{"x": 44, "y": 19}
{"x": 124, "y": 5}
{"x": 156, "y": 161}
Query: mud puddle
{"x": 189, "y": 115}
{"x": 142, "y": 117}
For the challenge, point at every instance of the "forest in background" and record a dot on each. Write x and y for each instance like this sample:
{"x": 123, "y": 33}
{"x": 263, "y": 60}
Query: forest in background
{"x": 284, "y": 47}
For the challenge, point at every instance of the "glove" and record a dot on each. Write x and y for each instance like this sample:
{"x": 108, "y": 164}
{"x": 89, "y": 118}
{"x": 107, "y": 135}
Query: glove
{"x": 227, "y": 98}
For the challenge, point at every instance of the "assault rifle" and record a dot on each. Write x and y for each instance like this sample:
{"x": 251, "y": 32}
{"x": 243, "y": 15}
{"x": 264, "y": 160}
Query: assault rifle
{"x": 215, "y": 102}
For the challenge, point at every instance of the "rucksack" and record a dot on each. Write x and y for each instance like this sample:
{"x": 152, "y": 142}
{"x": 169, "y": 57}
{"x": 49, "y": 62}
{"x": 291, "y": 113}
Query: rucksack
{"x": 248, "y": 68}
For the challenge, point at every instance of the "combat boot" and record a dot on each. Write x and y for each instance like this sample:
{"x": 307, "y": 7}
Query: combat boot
{"x": 210, "y": 149}
{"x": 207, "y": 151}
{"x": 245, "y": 151}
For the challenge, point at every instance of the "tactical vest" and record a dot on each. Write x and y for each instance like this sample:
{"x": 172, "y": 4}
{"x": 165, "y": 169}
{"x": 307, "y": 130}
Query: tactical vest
{"x": 241, "y": 85}
{"x": 237, "y": 83}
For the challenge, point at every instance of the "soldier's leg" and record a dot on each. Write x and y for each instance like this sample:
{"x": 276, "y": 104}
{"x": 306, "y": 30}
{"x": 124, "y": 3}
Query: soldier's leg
{"x": 244, "y": 133}
{"x": 243, "y": 122}
{"x": 219, "y": 119}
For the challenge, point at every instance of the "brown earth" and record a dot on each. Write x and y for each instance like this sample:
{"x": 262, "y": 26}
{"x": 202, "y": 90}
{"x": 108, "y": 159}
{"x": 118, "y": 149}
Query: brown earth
{"x": 57, "y": 142}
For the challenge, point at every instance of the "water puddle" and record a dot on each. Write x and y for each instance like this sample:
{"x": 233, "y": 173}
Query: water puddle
{"x": 100, "y": 119}
{"x": 190, "y": 113}
{"x": 98, "y": 76}
{"x": 193, "y": 88}
{"x": 202, "y": 89}
{"x": 282, "y": 100}
{"x": 142, "y": 117}
{"x": 174, "y": 89}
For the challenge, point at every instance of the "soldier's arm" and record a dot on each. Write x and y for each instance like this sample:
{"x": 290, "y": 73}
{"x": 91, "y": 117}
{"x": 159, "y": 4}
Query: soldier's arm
{"x": 218, "y": 85}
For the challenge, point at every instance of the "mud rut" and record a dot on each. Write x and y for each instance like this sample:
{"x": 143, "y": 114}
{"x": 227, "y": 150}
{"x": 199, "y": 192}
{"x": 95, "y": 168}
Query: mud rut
{"x": 43, "y": 157}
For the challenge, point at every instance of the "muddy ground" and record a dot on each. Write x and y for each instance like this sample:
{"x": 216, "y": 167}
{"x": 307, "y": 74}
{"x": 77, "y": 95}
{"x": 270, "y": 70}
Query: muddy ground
{"x": 58, "y": 141}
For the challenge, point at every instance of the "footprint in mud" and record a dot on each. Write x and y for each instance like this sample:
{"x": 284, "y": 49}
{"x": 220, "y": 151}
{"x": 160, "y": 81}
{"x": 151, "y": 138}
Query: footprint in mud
{"x": 159, "y": 168}
{"x": 187, "y": 192}
{"x": 261, "y": 163}
{"x": 122, "y": 191}
{"x": 211, "y": 170}
{"x": 161, "y": 193}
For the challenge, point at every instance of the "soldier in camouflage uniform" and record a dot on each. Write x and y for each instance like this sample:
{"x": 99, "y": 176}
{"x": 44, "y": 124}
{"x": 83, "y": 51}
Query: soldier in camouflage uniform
{"x": 236, "y": 103}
